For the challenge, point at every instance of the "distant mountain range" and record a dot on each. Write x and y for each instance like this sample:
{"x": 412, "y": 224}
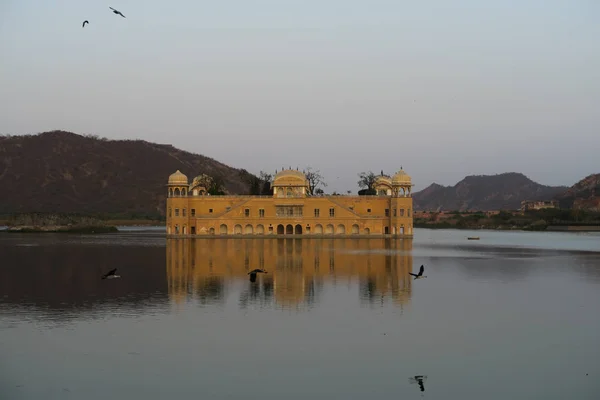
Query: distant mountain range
{"x": 61, "y": 171}
{"x": 485, "y": 193}
{"x": 64, "y": 172}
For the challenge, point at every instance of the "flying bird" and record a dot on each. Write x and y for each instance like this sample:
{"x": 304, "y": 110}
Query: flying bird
{"x": 419, "y": 379}
{"x": 117, "y": 12}
{"x": 85, "y": 22}
{"x": 111, "y": 274}
{"x": 420, "y": 274}
{"x": 254, "y": 272}
{"x": 257, "y": 270}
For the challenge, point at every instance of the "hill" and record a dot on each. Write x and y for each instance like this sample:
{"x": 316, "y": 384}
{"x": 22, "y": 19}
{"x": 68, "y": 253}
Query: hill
{"x": 64, "y": 172}
{"x": 582, "y": 195}
{"x": 484, "y": 193}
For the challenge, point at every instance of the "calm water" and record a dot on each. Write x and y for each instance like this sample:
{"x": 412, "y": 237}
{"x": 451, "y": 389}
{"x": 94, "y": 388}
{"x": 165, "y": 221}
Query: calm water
{"x": 513, "y": 315}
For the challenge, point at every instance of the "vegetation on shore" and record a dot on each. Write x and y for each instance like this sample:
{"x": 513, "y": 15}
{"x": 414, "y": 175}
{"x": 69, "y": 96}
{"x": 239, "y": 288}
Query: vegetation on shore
{"x": 58, "y": 223}
{"x": 111, "y": 219}
{"x": 532, "y": 220}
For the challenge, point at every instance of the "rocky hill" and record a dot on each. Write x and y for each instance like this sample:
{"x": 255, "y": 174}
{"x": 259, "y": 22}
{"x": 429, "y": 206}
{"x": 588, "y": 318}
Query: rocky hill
{"x": 64, "y": 172}
{"x": 585, "y": 194}
{"x": 484, "y": 193}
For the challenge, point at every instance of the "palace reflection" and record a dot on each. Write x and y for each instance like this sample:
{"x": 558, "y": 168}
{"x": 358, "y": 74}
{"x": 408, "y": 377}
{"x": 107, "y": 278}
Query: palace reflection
{"x": 207, "y": 270}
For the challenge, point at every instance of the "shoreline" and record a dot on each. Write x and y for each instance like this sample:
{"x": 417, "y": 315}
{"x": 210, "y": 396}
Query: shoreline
{"x": 114, "y": 222}
{"x": 549, "y": 228}
{"x": 61, "y": 229}
{"x": 542, "y": 220}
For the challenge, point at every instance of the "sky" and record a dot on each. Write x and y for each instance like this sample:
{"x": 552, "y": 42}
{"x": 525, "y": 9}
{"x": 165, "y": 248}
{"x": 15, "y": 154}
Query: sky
{"x": 443, "y": 89}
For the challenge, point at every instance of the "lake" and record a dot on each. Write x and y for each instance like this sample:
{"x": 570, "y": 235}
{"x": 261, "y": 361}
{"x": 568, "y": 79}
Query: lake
{"x": 514, "y": 315}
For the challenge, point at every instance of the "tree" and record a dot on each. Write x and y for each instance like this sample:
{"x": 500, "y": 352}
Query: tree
{"x": 253, "y": 181}
{"x": 255, "y": 185}
{"x": 217, "y": 187}
{"x": 266, "y": 180}
{"x": 315, "y": 179}
{"x": 203, "y": 180}
{"x": 319, "y": 191}
{"x": 367, "y": 192}
{"x": 258, "y": 185}
{"x": 367, "y": 181}
{"x": 214, "y": 186}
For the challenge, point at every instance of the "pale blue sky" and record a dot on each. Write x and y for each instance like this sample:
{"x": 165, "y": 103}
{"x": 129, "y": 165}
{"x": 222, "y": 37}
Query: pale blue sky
{"x": 443, "y": 88}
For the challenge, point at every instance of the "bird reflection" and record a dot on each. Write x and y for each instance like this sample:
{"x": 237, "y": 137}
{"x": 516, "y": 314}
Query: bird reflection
{"x": 420, "y": 379}
{"x": 261, "y": 294}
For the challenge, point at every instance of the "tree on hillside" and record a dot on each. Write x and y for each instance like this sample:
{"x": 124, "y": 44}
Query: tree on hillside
{"x": 214, "y": 185}
{"x": 217, "y": 188}
{"x": 203, "y": 180}
{"x": 266, "y": 180}
{"x": 315, "y": 179}
{"x": 258, "y": 185}
{"x": 254, "y": 182}
{"x": 367, "y": 182}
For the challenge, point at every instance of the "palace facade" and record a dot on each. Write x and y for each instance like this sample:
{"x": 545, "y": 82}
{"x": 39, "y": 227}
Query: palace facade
{"x": 291, "y": 210}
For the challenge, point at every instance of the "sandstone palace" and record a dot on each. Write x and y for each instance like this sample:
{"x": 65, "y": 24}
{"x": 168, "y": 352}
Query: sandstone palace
{"x": 291, "y": 210}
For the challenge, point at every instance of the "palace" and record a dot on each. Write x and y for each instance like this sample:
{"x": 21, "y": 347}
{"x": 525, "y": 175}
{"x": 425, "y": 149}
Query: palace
{"x": 291, "y": 210}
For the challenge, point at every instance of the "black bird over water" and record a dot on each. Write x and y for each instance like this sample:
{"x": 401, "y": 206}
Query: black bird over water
{"x": 420, "y": 274}
{"x": 85, "y": 22}
{"x": 111, "y": 274}
{"x": 117, "y": 12}
{"x": 254, "y": 272}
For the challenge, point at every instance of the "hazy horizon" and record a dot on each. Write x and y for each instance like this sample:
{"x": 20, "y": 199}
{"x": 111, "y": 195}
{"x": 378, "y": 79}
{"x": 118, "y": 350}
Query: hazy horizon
{"x": 442, "y": 90}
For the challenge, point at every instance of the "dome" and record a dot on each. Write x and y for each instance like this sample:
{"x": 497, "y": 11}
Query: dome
{"x": 383, "y": 179}
{"x": 290, "y": 175}
{"x": 401, "y": 178}
{"x": 178, "y": 179}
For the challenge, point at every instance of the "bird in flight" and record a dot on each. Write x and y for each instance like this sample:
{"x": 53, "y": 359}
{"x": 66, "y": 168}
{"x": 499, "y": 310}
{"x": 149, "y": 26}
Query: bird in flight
{"x": 419, "y": 379}
{"x": 111, "y": 274}
{"x": 85, "y": 22}
{"x": 117, "y": 12}
{"x": 420, "y": 274}
{"x": 254, "y": 272}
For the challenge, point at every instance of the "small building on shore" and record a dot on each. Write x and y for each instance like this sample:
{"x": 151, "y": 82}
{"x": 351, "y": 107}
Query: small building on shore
{"x": 527, "y": 205}
{"x": 291, "y": 210}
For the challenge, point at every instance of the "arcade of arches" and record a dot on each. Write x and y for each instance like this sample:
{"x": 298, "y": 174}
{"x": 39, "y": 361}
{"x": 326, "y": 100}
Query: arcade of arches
{"x": 286, "y": 229}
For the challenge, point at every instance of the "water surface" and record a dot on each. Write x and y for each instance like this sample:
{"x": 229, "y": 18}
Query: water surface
{"x": 513, "y": 315}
